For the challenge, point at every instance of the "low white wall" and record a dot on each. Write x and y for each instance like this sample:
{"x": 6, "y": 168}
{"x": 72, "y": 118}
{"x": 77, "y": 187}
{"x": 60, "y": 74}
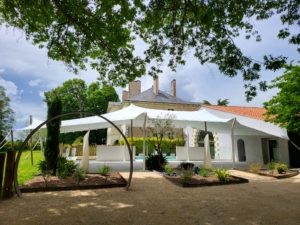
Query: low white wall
{"x": 195, "y": 153}
{"x": 181, "y": 153}
{"x": 113, "y": 153}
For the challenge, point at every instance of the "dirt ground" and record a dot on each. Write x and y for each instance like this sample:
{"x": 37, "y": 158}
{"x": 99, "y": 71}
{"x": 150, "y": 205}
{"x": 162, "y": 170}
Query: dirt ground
{"x": 152, "y": 199}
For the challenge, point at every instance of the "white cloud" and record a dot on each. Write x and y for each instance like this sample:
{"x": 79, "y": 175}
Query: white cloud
{"x": 21, "y": 92}
{"x": 34, "y": 82}
{"x": 11, "y": 88}
{"x": 41, "y": 94}
{"x": 2, "y": 70}
{"x": 23, "y": 110}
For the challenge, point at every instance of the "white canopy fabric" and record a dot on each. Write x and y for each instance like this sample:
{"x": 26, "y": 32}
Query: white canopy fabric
{"x": 195, "y": 119}
{"x": 84, "y": 164}
{"x": 207, "y": 157}
{"x": 250, "y": 126}
{"x": 35, "y": 123}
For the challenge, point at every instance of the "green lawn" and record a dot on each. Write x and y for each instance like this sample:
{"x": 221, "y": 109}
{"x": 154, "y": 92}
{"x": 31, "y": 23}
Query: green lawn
{"x": 25, "y": 170}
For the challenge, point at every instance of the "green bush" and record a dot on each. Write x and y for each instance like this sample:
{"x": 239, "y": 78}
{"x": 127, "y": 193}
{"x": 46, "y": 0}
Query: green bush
{"x": 169, "y": 169}
{"x": 221, "y": 174}
{"x": 255, "y": 166}
{"x": 167, "y": 145}
{"x": 79, "y": 174}
{"x": 156, "y": 162}
{"x": 105, "y": 170}
{"x": 70, "y": 166}
{"x": 204, "y": 172}
{"x": 186, "y": 175}
{"x": 78, "y": 141}
{"x": 64, "y": 167}
{"x": 186, "y": 165}
{"x": 281, "y": 167}
{"x": 46, "y": 173}
{"x": 42, "y": 166}
{"x": 271, "y": 165}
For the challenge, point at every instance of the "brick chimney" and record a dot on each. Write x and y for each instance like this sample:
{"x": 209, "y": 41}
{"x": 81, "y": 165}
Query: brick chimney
{"x": 155, "y": 86}
{"x": 125, "y": 95}
{"x": 173, "y": 88}
{"x": 134, "y": 88}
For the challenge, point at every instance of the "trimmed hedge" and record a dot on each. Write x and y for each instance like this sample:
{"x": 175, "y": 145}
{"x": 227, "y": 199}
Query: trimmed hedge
{"x": 167, "y": 145}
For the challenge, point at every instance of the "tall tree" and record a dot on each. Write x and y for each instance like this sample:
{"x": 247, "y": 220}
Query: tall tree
{"x": 76, "y": 96}
{"x": 53, "y": 130}
{"x": 72, "y": 94}
{"x": 284, "y": 108}
{"x": 102, "y": 33}
{"x": 7, "y": 118}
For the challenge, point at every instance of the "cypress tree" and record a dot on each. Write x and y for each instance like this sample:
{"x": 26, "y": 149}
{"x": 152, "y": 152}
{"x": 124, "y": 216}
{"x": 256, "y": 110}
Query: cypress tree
{"x": 53, "y": 129}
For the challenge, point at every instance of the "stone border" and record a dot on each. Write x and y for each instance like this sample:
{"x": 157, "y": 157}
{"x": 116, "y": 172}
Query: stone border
{"x": 239, "y": 181}
{"x": 294, "y": 173}
{"x": 46, "y": 189}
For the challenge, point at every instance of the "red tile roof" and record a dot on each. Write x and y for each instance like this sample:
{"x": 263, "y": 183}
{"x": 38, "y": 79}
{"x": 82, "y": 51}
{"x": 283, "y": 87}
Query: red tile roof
{"x": 253, "y": 112}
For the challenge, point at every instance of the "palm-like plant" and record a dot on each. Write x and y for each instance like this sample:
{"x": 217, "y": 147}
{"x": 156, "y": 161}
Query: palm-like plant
{"x": 224, "y": 102}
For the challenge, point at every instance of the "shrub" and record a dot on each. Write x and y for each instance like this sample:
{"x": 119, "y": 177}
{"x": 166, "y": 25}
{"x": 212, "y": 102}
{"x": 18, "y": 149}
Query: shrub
{"x": 64, "y": 167}
{"x": 186, "y": 165}
{"x": 105, "y": 170}
{"x": 271, "y": 165}
{"x": 79, "y": 174}
{"x": 281, "y": 167}
{"x": 70, "y": 167}
{"x": 156, "y": 162}
{"x": 78, "y": 141}
{"x": 61, "y": 170}
{"x": 204, "y": 172}
{"x": 167, "y": 145}
{"x": 221, "y": 174}
{"x": 255, "y": 166}
{"x": 169, "y": 169}
{"x": 186, "y": 175}
{"x": 42, "y": 166}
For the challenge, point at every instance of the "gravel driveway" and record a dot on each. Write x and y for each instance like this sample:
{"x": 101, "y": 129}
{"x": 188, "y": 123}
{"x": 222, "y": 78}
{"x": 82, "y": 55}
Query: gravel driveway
{"x": 154, "y": 200}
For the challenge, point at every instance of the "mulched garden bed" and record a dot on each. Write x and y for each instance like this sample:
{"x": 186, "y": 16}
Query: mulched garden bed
{"x": 199, "y": 181}
{"x": 54, "y": 183}
{"x": 272, "y": 173}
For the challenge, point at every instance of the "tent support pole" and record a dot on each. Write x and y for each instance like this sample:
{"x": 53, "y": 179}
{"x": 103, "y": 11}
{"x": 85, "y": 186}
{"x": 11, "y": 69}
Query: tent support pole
{"x": 131, "y": 136}
{"x": 232, "y": 143}
{"x": 31, "y": 153}
{"x": 12, "y": 140}
{"x": 144, "y": 142}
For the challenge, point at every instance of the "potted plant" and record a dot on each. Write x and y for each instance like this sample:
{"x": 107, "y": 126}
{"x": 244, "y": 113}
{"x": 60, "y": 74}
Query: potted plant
{"x": 66, "y": 150}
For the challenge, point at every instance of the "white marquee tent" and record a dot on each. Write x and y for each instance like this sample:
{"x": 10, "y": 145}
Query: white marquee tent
{"x": 201, "y": 119}
{"x": 194, "y": 119}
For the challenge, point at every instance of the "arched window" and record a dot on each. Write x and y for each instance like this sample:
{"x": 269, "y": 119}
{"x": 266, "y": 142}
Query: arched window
{"x": 241, "y": 150}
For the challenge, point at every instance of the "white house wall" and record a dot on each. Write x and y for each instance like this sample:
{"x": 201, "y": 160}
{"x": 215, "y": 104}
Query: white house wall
{"x": 224, "y": 146}
{"x": 253, "y": 148}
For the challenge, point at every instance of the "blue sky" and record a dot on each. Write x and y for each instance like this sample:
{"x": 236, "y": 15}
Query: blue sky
{"x": 26, "y": 73}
